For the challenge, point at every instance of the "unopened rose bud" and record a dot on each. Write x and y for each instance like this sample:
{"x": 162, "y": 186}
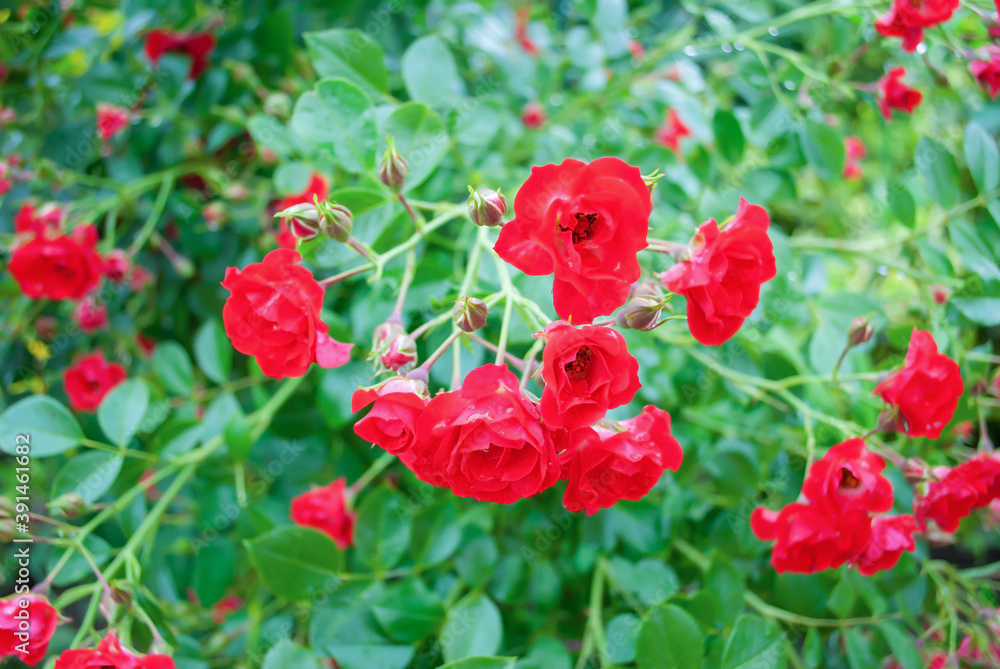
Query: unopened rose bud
{"x": 647, "y": 288}
{"x": 393, "y": 169}
{"x": 486, "y": 206}
{"x": 402, "y": 351}
{"x": 69, "y": 505}
{"x": 278, "y": 104}
{"x": 652, "y": 179}
{"x": 337, "y": 221}
{"x": 940, "y": 294}
{"x": 215, "y": 213}
{"x": 914, "y": 470}
{"x": 470, "y": 314}
{"x": 45, "y": 327}
{"x": 117, "y": 265}
{"x": 303, "y": 220}
{"x": 640, "y": 313}
{"x": 236, "y": 192}
{"x": 385, "y": 333}
{"x": 860, "y": 330}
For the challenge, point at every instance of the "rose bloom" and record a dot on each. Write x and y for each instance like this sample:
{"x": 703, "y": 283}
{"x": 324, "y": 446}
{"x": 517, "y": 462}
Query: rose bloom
{"x": 908, "y": 18}
{"x": 587, "y": 371}
{"x": 855, "y": 151}
{"x": 894, "y": 94}
{"x": 392, "y": 422}
{"x": 891, "y": 535}
{"x": 197, "y": 46}
{"x": 110, "y": 120}
{"x": 325, "y": 509}
{"x": 39, "y": 222}
{"x": 949, "y": 499}
{"x": 807, "y": 540}
{"x": 109, "y": 654}
{"x": 400, "y": 352}
{"x": 604, "y": 466}
{"x": 533, "y": 116}
{"x": 66, "y": 267}
{"x": 90, "y": 316}
{"x": 983, "y": 473}
{"x": 272, "y": 314}
{"x": 317, "y": 187}
{"x": 722, "y": 279}
{"x": 987, "y": 72}
{"x": 43, "y": 620}
{"x": 848, "y": 478}
{"x": 672, "y": 131}
{"x": 89, "y": 379}
{"x": 585, "y": 223}
{"x": 117, "y": 266}
{"x": 925, "y": 390}
{"x": 485, "y": 440}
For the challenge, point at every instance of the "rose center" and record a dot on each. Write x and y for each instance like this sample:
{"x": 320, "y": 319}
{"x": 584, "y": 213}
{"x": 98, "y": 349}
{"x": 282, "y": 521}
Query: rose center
{"x": 578, "y": 366}
{"x": 849, "y": 480}
{"x": 584, "y": 226}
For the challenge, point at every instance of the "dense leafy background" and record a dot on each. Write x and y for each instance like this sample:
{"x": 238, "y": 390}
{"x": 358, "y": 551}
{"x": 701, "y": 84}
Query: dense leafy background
{"x": 769, "y": 89}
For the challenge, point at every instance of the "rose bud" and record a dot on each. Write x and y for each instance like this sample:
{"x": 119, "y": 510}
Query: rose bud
{"x": 914, "y": 470}
{"x": 860, "y": 331}
{"x": 940, "y": 294}
{"x": 70, "y": 505}
{"x": 640, "y": 313}
{"x": 303, "y": 220}
{"x": 469, "y": 314}
{"x": 393, "y": 169}
{"x": 402, "y": 351}
{"x": 337, "y": 221}
{"x": 215, "y": 213}
{"x": 236, "y": 192}
{"x": 487, "y": 206}
{"x": 647, "y": 288}
{"x": 385, "y": 333}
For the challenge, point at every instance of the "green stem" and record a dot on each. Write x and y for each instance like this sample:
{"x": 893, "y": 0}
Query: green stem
{"x": 154, "y": 216}
{"x": 373, "y": 471}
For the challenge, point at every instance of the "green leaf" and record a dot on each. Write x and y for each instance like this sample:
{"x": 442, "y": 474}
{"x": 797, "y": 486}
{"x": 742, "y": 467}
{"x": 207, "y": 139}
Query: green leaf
{"x": 473, "y": 627}
{"x": 47, "y": 427}
{"x": 476, "y": 562}
{"x": 904, "y": 651}
{"x": 812, "y": 649}
{"x": 728, "y": 136}
{"x": 983, "y": 158}
{"x": 436, "y": 533}
{"x": 339, "y": 118}
{"x": 296, "y": 562}
{"x": 982, "y": 310}
{"x": 213, "y": 352}
{"x": 669, "y": 639}
{"x": 938, "y": 170}
{"x": 408, "y": 611}
{"x": 902, "y": 204}
{"x": 546, "y": 653}
{"x": 343, "y": 627}
{"x": 121, "y": 412}
{"x": 286, "y": 654}
{"x": 420, "y": 138}
{"x": 430, "y": 74}
{"x": 620, "y": 636}
{"x": 726, "y": 582}
{"x": 859, "y": 650}
{"x": 754, "y": 644}
{"x": 382, "y": 533}
{"x": 269, "y": 132}
{"x": 238, "y": 437}
{"x": 350, "y": 54}
{"x": 481, "y": 663}
{"x": 89, "y": 475}
{"x": 823, "y": 149}
{"x": 842, "y": 597}
{"x": 173, "y": 367}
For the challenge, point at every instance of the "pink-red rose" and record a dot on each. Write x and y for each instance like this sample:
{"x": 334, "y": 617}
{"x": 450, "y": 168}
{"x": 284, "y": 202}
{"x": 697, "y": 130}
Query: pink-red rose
{"x": 42, "y": 622}
{"x": 325, "y": 509}
{"x": 848, "y": 478}
{"x": 89, "y": 379}
{"x": 65, "y": 267}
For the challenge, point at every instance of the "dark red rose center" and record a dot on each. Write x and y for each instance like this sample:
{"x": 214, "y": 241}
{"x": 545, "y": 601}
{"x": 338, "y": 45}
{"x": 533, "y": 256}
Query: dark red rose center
{"x": 584, "y": 228}
{"x": 848, "y": 481}
{"x": 578, "y": 366}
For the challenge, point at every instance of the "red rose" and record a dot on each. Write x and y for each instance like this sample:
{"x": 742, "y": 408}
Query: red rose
{"x": 225, "y": 606}
{"x": 908, "y": 18}
{"x": 586, "y": 224}
{"x": 987, "y": 72}
{"x": 485, "y": 440}
{"x": 110, "y": 120}
{"x": 109, "y": 654}
{"x": 400, "y": 352}
{"x": 392, "y": 422}
{"x": 117, "y": 266}
{"x": 925, "y": 390}
{"x": 897, "y": 95}
{"x": 722, "y": 279}
{"x": 848, "y": 478}
{"x": 64, "y": 268}
{"x": 90, "y": 315}
{"x": 983, "y": 472}
{"x": 604, "y": 466}
{"x": 325, "y": 509}
{"x": 891, "y": 535}
{"x": 318, "y": 187}
{"x": 42, "y": 623}
{"x": 950, "y": 499}
{"x": 808, "y": 540}
{"x": 272, "y": 314}
{"x": 670, "y": 133}
{"x": 197, "y": 46}
{"x": 533, "y": 116}
{"x": 587, "y": 371}
{"x": 854, "y": 150}
{"x": 39, "y": 222}
{"x": 89, "y": 379}
{"x": 284, "y": 237}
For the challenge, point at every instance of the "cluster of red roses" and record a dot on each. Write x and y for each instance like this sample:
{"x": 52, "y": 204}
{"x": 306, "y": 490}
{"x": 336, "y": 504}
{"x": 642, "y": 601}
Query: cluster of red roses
{"x": 842, "y": 489}
{"x": 42, "y": 620}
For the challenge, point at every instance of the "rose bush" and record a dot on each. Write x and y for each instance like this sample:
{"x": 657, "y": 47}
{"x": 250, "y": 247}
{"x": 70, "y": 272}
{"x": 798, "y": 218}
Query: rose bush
{"x": 500, "y": 335}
